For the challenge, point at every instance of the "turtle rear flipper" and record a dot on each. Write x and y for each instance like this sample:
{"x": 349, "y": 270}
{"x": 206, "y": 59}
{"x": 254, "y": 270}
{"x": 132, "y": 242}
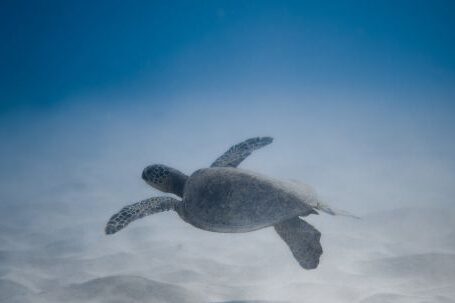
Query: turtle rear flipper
{"x": 303, "y": 240}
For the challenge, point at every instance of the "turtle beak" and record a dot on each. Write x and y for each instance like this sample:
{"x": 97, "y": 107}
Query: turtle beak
{"x": 144, "y": 175}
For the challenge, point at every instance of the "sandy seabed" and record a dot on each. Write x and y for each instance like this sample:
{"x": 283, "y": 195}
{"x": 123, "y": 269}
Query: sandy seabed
{"x": 401, "y": 255}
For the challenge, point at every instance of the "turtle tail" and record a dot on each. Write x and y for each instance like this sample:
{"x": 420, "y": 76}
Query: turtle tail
{"x": 333, "y": 211}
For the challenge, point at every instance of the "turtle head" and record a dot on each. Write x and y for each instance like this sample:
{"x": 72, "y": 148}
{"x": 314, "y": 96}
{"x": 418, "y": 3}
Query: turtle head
{"x": 165, "y": 178}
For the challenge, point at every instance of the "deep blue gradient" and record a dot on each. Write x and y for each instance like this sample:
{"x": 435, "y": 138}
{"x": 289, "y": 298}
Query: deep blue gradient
{"x": 54, "y": 50}
{"x": 359, "y": 95}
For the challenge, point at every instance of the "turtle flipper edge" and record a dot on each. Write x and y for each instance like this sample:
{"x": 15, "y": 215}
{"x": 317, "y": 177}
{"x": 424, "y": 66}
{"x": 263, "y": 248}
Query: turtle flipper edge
{"x": 138, "y": 210}
{"x": 302, "y": 239}
{"x": 239, "y": 152}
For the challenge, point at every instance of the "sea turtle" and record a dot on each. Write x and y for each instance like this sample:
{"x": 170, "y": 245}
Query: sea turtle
{"x": 227, "y": 199}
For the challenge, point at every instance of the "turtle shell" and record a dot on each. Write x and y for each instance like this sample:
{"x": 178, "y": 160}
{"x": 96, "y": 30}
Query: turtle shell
{"x": 224, "y": 199}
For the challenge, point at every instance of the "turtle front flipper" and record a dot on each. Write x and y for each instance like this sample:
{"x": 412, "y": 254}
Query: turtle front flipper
{"x": 138, "y": 210}
{"x": 303, "y": 240}
{"x": 239, "y": 152}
